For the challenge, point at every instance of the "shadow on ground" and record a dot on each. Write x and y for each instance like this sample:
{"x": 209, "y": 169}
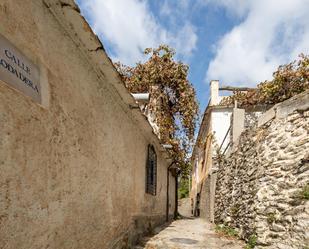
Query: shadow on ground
{"x": 184, "y": 241}
{"x": 187, "y": 233}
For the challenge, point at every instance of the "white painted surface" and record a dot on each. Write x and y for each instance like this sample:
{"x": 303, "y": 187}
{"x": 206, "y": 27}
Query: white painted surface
{"x": 220, "y": 121}
{"x": 214, "y": 92}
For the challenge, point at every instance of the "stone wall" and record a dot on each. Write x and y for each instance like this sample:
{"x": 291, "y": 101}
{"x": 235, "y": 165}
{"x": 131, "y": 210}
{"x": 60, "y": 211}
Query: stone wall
{"x": 262, "y": 187}
{"x": 72, "y": 170}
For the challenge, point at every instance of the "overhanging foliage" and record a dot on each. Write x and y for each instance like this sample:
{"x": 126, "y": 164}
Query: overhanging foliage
{"x": 289, "y": 80}
{"x": 175, "y": 104}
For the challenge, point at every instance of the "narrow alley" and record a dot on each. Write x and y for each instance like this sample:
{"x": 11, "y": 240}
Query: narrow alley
{"x": 140, "y": 124}
{"x": 188, "y": 232}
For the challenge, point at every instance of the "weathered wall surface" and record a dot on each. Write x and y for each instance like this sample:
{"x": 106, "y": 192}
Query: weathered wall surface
{"x": 72, "y": 170}
{"x": 261, "y": 186}
{"x": 208, "y": 197}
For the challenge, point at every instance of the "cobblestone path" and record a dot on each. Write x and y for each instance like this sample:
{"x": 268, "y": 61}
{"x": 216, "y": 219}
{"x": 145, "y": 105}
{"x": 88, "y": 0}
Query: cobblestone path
{"x": 188, "y": 233}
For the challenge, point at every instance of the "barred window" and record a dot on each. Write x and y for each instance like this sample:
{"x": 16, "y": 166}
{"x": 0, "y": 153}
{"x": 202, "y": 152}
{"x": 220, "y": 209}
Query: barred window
{"x": 151, "y": 171}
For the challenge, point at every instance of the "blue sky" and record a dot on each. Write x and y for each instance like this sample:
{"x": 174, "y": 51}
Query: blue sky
{"x": 239, "y": 42}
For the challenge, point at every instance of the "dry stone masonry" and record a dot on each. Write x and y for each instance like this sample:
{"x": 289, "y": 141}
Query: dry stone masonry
{"x": 262, "y": 187}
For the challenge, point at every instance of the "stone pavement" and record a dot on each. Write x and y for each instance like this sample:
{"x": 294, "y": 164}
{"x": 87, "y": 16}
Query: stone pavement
{"x": 189, "y": 233}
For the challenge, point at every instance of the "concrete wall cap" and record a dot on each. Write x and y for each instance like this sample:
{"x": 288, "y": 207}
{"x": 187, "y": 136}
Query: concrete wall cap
{"x": 282, "y": 110}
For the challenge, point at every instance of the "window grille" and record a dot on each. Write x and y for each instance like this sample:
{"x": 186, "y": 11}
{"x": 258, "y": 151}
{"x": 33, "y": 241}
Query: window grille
{"x": 151, "y": 171}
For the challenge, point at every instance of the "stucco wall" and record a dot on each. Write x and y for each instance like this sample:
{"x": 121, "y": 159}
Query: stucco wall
{"x": 262, "y": 187}
{"x": 72, "y": 170}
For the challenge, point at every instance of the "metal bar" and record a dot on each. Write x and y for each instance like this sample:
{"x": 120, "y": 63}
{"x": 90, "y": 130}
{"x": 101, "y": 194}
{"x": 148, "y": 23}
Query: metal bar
{"x": 225, "y": 137}
{"x": 228, "y": 145}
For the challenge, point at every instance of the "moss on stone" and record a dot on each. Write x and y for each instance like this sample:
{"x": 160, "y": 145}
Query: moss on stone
{"x": 251, "y": 242}
{"x": 304, "y": 193}
{"x": 226, "y": 230}
{"x": 271, "y": 218}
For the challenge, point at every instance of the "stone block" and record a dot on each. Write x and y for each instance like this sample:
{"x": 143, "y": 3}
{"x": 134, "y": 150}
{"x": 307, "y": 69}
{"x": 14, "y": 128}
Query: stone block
{"x": 292, "y": 116}
{"x": 298, "y": 132}
{"x": 302, "y": 141}
{"x": 306, "y": 114}
{"x": 277, "y": 228}
{"x": 299, "y": 102}
{"x": 267, "y": 116}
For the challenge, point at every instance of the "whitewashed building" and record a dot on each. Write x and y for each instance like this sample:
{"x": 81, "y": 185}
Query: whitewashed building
{"x": 220, "y": 128}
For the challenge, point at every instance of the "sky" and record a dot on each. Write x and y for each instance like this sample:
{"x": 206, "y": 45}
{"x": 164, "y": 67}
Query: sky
{"x": 238, "y": 42}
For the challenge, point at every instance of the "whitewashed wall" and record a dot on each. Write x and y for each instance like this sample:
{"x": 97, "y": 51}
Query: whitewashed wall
{"x": 220, "y": 123}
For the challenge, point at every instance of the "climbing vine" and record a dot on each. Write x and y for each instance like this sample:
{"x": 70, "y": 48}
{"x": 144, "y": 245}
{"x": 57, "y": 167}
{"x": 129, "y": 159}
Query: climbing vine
{"x": 288, "y": 80}
{"x": 173, "y": 98}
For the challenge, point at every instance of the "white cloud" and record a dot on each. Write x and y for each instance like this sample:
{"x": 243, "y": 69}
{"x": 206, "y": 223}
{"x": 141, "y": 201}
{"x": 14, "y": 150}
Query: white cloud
{"x": 185, "y": 39}
{"x": 235, "y": 7}
{"x": 273, "y": 32}
{"x": 165, "y": 9}
{"x": 129, "y": 27}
